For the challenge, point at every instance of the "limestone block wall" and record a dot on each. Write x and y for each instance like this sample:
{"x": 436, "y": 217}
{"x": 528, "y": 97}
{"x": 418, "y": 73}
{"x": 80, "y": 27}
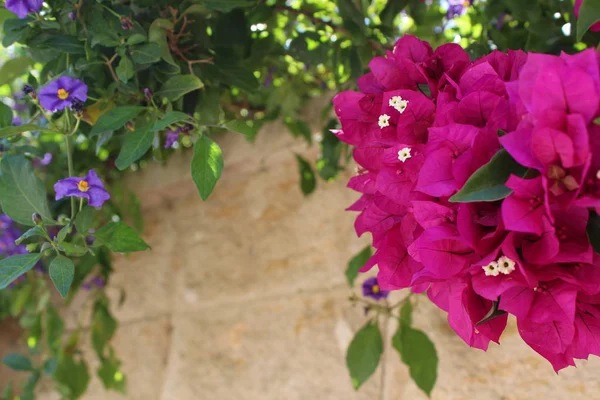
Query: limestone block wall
{"x": 243, "y": 297}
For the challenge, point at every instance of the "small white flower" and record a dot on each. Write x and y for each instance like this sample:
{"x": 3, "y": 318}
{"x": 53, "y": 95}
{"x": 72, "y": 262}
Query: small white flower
{"x": 384, "y": 120}
{"x": 491, "y": 269}
{"x": 398, "y": 103}
{"x": 506, "y": 265}
{"x": 404, "y": 154}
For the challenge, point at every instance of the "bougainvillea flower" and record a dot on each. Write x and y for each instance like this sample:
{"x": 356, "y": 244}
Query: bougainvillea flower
{"x": 23, "y": 7}
{"x": 524, "y": 210}
{"x": 371, "y": 288}
{"x": 61, "y": 93}
{"x": 90, "y": 188}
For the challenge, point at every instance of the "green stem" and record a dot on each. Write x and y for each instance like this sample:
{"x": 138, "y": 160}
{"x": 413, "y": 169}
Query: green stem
{"x": 80, "y": 204}
{"x": 71, "y": 172}
{"x": 112, "y": 11}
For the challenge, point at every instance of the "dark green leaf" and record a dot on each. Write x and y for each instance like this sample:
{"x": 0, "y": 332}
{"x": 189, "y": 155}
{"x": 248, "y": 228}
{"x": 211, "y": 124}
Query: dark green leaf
{"x": 18, "y": 362}
{"x": 15, "y": 130}
{"x": 72, "y": 376}
{"x": 84, "y": 219}
{"x": 158, "y": 34}
{"x": 62, "y": 271}
{"x": 6, "y": 115}
{"x": 418, "y": 353}
{"x": 22, "y": 193}
{"x": 115, "y": 118}
{"x": 125, "y": 70}
{"x": 493, "y": 313}
{"x": 364, "y": 353}
{"x": 135, "y": 145}
{"x": 146, "y": 54}
{"x": 239, "y": 77}
{"x": 13, "y": 267}
{"x": 170, "y": 118}
{"x": 356, "y": 263}
{"x": 406, "y": 313}
{"x": 589, "y": 14}
{"x": 63, "y": 43}
{"x": 246, "y": 128}
{"x": 488, "y": 182}
{"x": 103, "y": 327}
{"x": 207, "y": 166}
{"x": 73, "y": 250}
{"x": 226, "y": 5}
{"x": 110, "y": 373}
{"x": 308, "y": 181}
{"x": 593, "y": 231}
{"x": 50, "y": 366}
{"x": 33, "y": 232}
{"x": 177, "y": 86}
{"x": 120, "y": 238}
{"x": 299, "y": 128}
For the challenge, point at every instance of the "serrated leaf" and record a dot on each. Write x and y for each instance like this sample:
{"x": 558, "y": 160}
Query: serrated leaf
{"x": 207, "y": 166}
{"x": 170, "y": 118}
{"x": 308, "y": 180}
{"x": 17, "y": 362}
{"x": 22, "y": 193}
{"x": 135, "y": 145}
{"x": 589, "y": 14}
{"x": 364, "y": 353}
{"x": 115, "y": 118}
{"x": 356, "y": 263}
{"x": 488, "y": 182}
{"x": 62, "y": 271}
{"x": 120, "y": 238}
{"x": 418, "y": 353}
{"x": 178, "y": 86}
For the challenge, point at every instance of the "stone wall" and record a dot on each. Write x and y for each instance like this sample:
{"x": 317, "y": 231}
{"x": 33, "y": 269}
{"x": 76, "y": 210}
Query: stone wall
{"x": 243, "y": 297}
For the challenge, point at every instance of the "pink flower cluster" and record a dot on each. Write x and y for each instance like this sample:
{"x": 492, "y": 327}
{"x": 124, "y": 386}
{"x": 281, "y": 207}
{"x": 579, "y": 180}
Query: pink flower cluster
{"x": 423, "y": 122}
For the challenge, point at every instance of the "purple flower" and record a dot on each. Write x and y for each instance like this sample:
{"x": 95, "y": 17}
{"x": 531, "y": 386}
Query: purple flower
{"x": 44, "y": 161}
{"x": 126, "y": 23}
{"x": 72, "y": 16}
{"x": 23, "y": 7}
{"x": 96, "y": 281}
{"x": 148, "y": 93}
{"x": 62, "y": 93}
{"x": 16, "y": 121}
{"x": 372, "y": 289}
{"x": 90, "y": 188}
{"x": 456, "y": 8}
{"x": 9, "y": 232}
{"x": 172, "y": 137}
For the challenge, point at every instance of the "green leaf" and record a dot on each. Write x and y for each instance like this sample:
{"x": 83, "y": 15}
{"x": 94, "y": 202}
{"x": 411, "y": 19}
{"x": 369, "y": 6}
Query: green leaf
{"x": 356, "y": 263}
{"x": 418, "y": 353}
{"x": 135, "y": 145}
{"x": 226, "y": 5}
{"x": 158, "y": 34}
{"x": 308, "y": 180}
{"x": 146, "y": 54}
{"x": 239, "y": 77}
{"x": 170, "y": 118}
{"x": 589, "y": 14}
{"x": 246, "y": 128}
{"x": 73, "y": 250}
{"x": 15, "y": 130}
{"x": 18, "y": 362}
{"x": 33, "y": 232}
{"x": 22, "y": 193}
{"x": 492, "y": 313}
{"x": 406, "y": 313}
{"x": 55, "y": 328}
{"x": 364, "y": 353}
{"x": 6, "y": 115}
{"x": 50, "y": 366}
{"x": 488, "y": 182}
{"x": 62, "y": 271}
{"x": 299, "y": 128}
{"x": 115, "y": 118}
{"x": 207, "y": 165}
{"x": 125, "y": 70}
{"x": 137, "y": 38}
{"x": 593, "y": 231}
{"x": 179, "y": 85}
{"x": 120, "y": 238}
{"x": 60, "y": 43}
{"x": 84, "y": 219}
{"x": 110, "y": 373}
{"x": 72, "y": 376}
{"x": 103, "y": 327}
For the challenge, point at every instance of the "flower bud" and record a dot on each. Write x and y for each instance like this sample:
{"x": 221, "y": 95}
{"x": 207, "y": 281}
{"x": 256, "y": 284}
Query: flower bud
{"x": 36, "y": 218}
{"x": 32, "y": 247}
{"x": 126, "y": 23}
{"x": 72, "y": 16}
{"x": 30, "y": 91}
{"x": 130, "y": 127}
{"x": 148, "y": 93}
{"x": 77, "y": 106}
{"x": 62, "y": 219}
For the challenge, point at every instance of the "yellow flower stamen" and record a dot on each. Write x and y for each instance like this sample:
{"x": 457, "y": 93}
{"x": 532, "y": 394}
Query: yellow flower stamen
{"x": 62, "y": 94}
{"x": 83, "y": 186}
{"x": 375, "y": 289}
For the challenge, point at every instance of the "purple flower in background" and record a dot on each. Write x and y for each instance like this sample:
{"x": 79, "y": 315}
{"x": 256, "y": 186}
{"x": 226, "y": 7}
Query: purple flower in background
{"x": 456, "y": 8}
{"x": 62, "y": 93}
{"x": 9, "y": 232}
{"x": 90, "y": 188}
{"x": 172, "y": 137}
{"x": 148, "y": 93}
{"x": 96, "y": 281}
{"x": 16, "y": 121}
{"x": 23, "y": 7}
{"x": 372, "y": 289}
{"x": 44, "y": 161}
{"x": 72, "y": 16}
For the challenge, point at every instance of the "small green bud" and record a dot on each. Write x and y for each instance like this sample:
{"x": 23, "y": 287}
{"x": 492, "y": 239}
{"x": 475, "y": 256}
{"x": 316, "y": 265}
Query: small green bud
{"x": 165, "y": 101}
{"x": 32, "y": 247}
{"x": 63, "y": 219}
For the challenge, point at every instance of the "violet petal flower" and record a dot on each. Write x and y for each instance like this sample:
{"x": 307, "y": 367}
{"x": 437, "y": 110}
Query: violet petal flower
{"x": 372, "y": 289}
{"x": 90, "y": 188}
{"x": 172, "y": 137}
{"x": 23, "y": 7}
{"x": 62, "y": 92}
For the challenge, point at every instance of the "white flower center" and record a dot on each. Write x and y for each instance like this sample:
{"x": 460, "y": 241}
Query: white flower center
{"x": 491, "y": 269}
{"x": 384, "y": 120}
{"x": 404, "y": 154}
{"x": 398, "y": 103}
{"x": 506, "y": 265}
